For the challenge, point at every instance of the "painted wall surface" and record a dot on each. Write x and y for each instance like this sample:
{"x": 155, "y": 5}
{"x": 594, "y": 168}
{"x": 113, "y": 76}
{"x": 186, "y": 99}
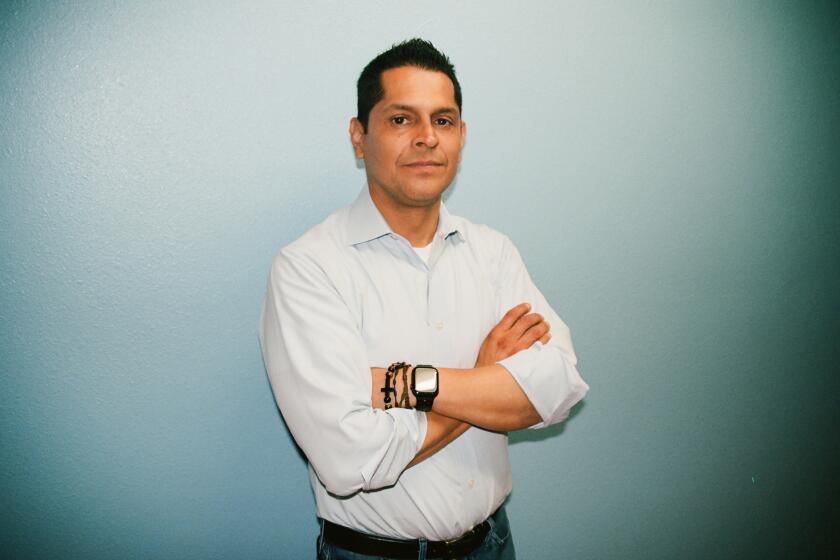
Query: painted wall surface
{"x": 668, "y": 170}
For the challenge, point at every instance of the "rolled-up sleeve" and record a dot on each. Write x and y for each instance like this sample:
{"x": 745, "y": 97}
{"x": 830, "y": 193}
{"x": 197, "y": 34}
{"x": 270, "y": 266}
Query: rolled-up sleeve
{"x": 547, "y": 373}
{"x": 316, "y": 362}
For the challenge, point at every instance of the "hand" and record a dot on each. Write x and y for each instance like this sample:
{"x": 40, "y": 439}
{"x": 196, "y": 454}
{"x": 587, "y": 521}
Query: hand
{"x": 517, "y": 331}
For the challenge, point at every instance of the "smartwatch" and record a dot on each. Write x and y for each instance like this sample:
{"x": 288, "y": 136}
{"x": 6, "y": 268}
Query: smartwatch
{"x": 424, "y": 385}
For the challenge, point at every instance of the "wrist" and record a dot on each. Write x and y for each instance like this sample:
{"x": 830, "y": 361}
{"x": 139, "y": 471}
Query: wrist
{"x": 397, "y": 386}
{"x": 406, "y": 397}
{"x": 403, "y": 388}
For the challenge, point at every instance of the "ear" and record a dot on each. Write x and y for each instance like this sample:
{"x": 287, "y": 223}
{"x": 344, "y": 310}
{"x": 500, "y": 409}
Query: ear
{"x": 357, "y": 133}
{"x": 463, "y": 139}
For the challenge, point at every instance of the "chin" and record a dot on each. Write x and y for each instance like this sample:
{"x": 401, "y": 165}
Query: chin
{"x": 413, "y": 194}
{"x": 424, "y": 196}
{"x": 427, "y": 190}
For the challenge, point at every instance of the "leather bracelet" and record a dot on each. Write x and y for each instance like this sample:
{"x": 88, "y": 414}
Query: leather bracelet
{"x": 401, "y": 400}
{"x": 405, "y": 402}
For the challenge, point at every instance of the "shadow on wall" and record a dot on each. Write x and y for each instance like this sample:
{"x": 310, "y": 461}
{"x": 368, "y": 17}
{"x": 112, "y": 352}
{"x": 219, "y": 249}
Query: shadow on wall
{"x": 547, "y": 433}
{"x": 300, "y": 452}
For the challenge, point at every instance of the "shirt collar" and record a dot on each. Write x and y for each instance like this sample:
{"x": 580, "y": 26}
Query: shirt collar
{"x": 366, "y": 223}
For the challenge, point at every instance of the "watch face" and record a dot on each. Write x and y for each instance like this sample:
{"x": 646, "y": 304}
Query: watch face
{"x": 425, "y": 380}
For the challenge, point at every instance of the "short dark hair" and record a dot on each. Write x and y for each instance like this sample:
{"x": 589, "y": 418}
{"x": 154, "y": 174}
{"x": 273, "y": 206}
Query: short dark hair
{"x": 413, "y": 52}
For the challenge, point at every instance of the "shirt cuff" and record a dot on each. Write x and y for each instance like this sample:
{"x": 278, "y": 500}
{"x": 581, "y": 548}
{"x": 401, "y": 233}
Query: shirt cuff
{"x": 549, "y": 379}
{"x": 409, "y": 431}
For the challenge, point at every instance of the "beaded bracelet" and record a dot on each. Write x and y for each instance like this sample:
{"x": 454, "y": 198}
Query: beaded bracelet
{"x": 387, "y": 389}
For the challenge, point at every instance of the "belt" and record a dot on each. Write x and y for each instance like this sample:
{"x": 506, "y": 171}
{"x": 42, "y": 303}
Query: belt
{"x": 372, "y": 545}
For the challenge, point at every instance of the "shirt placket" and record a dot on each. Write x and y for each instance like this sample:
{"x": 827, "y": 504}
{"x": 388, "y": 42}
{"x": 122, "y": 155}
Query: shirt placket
{"x": 441, "y": 305}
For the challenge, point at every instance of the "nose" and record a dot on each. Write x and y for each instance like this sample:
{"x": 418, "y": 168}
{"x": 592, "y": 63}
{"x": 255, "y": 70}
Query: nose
{"x": 426, "y": 136}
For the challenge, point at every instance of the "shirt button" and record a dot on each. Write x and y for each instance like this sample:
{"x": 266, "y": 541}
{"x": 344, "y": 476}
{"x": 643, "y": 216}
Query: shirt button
{"x": 439, "y": 326}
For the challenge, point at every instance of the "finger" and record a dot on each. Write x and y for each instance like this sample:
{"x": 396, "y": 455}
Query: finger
{"x": 545, "y": 338}
{"x": 513, "y": 315}
{"x": 526, "y": 322}
{"x": 533, "y": 334}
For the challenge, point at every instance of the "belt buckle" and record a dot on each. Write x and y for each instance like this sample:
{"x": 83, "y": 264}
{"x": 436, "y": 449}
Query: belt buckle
{"x": 450, "y": 546}
{"x": 448, "y": 552}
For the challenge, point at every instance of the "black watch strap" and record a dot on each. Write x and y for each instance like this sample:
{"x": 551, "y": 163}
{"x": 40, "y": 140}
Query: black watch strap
{"x": 424, "y": 404}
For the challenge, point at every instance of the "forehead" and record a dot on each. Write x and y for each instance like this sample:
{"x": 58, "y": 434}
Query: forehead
{"x": 409, "y": 85}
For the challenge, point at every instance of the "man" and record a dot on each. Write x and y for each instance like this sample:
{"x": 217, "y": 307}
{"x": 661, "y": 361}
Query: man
{"x": 410, "y": 461}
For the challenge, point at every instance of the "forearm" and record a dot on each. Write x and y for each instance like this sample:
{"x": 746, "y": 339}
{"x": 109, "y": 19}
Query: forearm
{"x": 488, "y": 397}
{"x": 440, "y": 432}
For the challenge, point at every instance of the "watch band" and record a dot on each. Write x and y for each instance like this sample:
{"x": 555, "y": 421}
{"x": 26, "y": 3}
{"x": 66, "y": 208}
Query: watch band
{"x": 424, "y": 404}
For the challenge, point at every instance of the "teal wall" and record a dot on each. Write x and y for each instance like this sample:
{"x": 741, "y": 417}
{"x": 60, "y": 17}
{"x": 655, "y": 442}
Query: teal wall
{"x": 668, "y": 170}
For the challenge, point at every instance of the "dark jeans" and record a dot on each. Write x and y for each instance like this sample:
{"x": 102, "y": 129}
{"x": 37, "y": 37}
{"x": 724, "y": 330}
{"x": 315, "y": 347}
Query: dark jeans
{"x": 498, "y": 545}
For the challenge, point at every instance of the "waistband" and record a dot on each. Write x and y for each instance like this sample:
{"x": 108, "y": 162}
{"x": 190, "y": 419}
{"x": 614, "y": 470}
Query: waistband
{"x": 373, "y": 545}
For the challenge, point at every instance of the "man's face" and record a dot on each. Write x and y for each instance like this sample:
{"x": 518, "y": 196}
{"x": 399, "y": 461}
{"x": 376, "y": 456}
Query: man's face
{"x": 413, "y": 143}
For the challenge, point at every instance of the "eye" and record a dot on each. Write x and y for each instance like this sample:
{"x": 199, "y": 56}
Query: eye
{"x": 442, "y": 121}
{"x": 399, "y": 119}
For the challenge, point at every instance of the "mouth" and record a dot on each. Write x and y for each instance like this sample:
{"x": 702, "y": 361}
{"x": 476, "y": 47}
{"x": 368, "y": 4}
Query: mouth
{"x": 423, "y": 165}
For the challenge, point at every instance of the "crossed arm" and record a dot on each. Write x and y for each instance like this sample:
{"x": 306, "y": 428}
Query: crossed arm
{"x": 486, "y": 395}
{"x": 317, "y": 364}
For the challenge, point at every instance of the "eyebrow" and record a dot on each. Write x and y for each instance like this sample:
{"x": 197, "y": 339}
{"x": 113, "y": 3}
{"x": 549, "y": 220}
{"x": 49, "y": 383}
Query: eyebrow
{"x": 409, "y": 108}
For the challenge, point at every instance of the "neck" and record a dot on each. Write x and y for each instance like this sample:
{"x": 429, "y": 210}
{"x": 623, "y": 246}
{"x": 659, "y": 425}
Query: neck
{"x": 416, "y": 223}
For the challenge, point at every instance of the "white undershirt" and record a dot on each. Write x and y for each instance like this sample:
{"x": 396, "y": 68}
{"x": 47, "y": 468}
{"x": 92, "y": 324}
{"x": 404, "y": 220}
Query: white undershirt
{"x": 424, "y": 252}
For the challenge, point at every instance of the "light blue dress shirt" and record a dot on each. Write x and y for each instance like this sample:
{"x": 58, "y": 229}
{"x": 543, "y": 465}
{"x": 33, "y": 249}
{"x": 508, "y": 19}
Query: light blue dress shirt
{"x": 350, "y": 295}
